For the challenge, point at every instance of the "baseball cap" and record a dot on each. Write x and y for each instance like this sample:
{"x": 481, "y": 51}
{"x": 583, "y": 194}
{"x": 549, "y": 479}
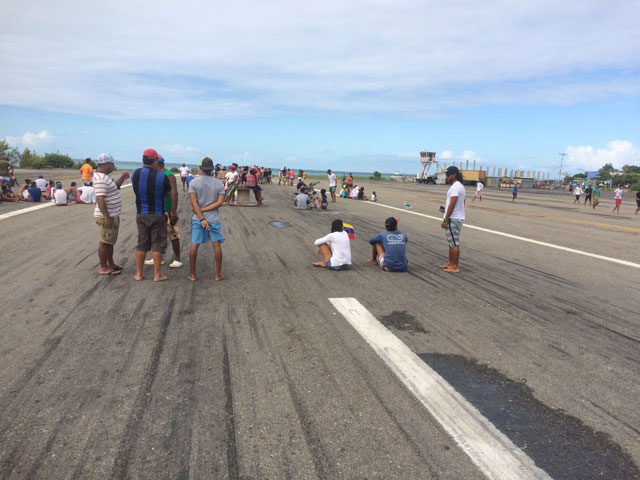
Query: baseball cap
{"x": 150, "y": 153}
{"x": 104, "y": 158}
{"x": 206, "y": 163}
{"x": 452, "y": 170}
{"x": 232, "y": 167}
{"x": 160, "y": 159}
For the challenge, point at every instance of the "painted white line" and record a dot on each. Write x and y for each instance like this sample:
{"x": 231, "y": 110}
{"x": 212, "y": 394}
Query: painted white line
{"x": 492, "y": 452}
{"x": 37, "y": 207}
{"x": 517, "y": 237}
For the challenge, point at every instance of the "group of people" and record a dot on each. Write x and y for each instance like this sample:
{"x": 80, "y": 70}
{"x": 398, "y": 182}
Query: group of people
{"x": 592, "y": 195}
{"x": 389, "y": 246}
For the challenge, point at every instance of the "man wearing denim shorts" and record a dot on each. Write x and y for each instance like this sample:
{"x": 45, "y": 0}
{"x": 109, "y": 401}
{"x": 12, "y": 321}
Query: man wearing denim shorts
{"x": 453, "y": 217}
{"x": 206, "y": 194}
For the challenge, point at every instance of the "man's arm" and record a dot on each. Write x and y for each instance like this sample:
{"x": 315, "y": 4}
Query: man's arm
{"x": 102, "y": 205}
{"x": 196, "y": 209}
{"x": 122, "y": 178}
{"x": 214, "y": 205}
{"x": 174, "y": 199}
{"x": 447, "y": 215}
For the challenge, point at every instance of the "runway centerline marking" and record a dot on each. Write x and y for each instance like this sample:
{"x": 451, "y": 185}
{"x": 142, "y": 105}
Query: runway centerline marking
{"x": 517, "y": 237}
{"x": 521, "y": 212}
{"x": 489, "y": 449}
{"x": 37, "y": 207}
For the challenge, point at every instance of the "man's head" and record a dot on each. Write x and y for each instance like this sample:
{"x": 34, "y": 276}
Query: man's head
{"x": 40, "y": 176}
{"x": 160, "y": 161}
{"x": 87, "y": 160}
{"x": 27, "y": 181}
{"x": 184, "y": 164}
{"x": 150, "y": 157}
{"x": 59, "y": 185}
{"x": 233, "y": 168}
{"x": 73, "y": 184}
{"x": 329, "y": 171}
{"x": 33, "y": 184}
{"x": 206, "y": 165}
{"x": 452, "y": 174}
{"x": 337, "y": 226}
{"x": 105, "y": 163}
{"x": 391, "y": 224}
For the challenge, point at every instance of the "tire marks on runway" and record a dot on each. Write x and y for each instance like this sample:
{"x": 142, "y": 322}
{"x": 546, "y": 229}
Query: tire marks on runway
{"x": 232, "y": 452}
{"x": 134, "y": 423}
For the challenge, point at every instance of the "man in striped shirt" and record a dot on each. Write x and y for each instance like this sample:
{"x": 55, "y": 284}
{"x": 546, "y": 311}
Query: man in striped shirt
{"x": 150, "y": 186}
{"x": 107, "y": 212}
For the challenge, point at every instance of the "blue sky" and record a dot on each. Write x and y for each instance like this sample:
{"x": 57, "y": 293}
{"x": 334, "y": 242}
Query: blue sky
{"x": 348, "y": 85}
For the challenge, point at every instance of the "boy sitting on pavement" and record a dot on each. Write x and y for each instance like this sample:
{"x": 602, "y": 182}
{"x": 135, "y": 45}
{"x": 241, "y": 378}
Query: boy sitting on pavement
{"x": 390, "y": 248}
{"x": 334, "y": 248}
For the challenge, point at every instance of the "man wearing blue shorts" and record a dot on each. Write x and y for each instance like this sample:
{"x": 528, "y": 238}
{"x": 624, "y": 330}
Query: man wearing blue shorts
{"x": 453, "y": 218}
{"x": 206, "y": 194}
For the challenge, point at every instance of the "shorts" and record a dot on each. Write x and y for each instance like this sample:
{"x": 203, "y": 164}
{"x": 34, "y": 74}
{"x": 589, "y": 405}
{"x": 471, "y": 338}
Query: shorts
{"x": 199, "y": 234}
{"x": 257, "y": 187}
{"x": 334, "y": 267}
{"x": 184, "y": 180}
{"x": 108, "y": 236}
{"x": 618, "y": 201}
{"x": 231, "y": 189}
{"x": 5, "y": 180}
{"x": 515, "y": 195}
{"x": 381, "y": 262}
{"x": 152, "y": 233}
{"x": 577, "y": 197}
{"x": 453, "y": 233}
{"x": 638, "y": 203}
{"x": 332, "y": 189}
{"x": 588, "y": 197}
{"x": 172, "y": 230}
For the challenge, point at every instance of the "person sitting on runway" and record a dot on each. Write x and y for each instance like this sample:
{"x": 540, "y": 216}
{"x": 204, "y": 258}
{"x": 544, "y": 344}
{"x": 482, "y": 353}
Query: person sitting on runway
{"x": 8, "y": 195}
{"x": 390, "y": 248}
{"x": 23, "y": 190}
{"x": 72, "y": 192}
{"x": 86, "y": 194}
{"x": 59, "y": 196}
{"x": 323, "y": 199}
{"x": 334, "y": 248}
{"x": 34, "y": 194}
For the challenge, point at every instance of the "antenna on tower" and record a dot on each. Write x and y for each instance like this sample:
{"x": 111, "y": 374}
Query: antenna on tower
{"x": 562, "y": 155}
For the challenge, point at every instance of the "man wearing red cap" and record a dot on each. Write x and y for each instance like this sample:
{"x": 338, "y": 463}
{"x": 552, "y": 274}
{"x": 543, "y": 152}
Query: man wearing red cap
{"x": 150, "y": 186}
{"x": 231, "y": 183}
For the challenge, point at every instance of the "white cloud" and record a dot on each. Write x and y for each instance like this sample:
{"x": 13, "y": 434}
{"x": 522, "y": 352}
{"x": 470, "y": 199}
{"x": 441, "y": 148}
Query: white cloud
{"x": 33, "y": 141}
{"x": 587, "y": 158}
{"x": 177, "y": 151}
{"x": 446, "y": 154}
{"x": 239, "y": 59}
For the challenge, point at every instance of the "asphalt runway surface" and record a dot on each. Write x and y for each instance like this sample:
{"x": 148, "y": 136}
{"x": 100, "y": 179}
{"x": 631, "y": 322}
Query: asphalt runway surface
{"x": 260, "y": 376}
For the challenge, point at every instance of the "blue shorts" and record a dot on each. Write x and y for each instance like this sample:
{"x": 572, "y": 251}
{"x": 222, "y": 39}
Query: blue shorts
{"x": 199, "y": 234}
{"x": 336, "y": 267}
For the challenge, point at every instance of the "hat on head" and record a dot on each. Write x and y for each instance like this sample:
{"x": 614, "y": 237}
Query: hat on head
{"x": 391, "y": 221}
{"x": 232, "y": 167}
{"x": 452, "y": 170}
{"x": 104, "y": 158}
{"x": 40, "y": 176}
{"x": 150, "y": 153}
{"x": 59, "y": 185}
{"x": 160, "y": 159}
{"x": 206, "y": 164}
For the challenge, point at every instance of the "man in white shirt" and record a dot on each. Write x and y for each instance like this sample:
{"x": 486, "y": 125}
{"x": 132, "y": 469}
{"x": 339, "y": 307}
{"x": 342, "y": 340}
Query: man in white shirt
{"x": 618, "y": 198}
{"x": 184, "y": 174}
{"x": 41, "y": 183}
{"x": 301, "y": 202}
{"x": 332, "y": 185}
{"x": 453, "y": 217}
{"x": 334, "y": 248}
{"x": 86, "y": 194}
{"x": 479, "y": 187}
{"x": 60, "y": 196}
{"x": 577, "y": 192}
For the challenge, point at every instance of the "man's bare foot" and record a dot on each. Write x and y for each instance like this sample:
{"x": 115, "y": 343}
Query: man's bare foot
{"x": 318, "y": 264}
{"x": 192, "y": 277}
{"x": 446, "y": 265}
{"x": 137, "y": 277}
{"x": 161, "y": 278}
{"x": 451, "y": 270}
{"x": 219, "y": 277}
{"x": 371, "y": 260}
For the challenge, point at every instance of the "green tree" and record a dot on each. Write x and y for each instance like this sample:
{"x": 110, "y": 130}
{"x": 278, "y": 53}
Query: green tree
{"x": 28, "y": 158}
{"x": 4, "y": 148}
{"x": 631, "y": 169}
{"x": 58, "y": 160}
{"x": 604, "y": 173}
{"x": 626, "y": 178}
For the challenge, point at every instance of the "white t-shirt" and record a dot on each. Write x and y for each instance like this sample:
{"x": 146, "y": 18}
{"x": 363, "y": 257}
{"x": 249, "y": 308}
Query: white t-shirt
{"x": 456, "y": 190}
{"x": 577, "y": 190}
{"x": 87, "y": 194}
{"x": 479, "y": 186}
{"x": 231, "y": 177}
{"x": 60, "y": 196}
{"x": 618, "y": 193}
{"x": 41, "y": 183}
{"x": 184, "y": 171}
{"x": 340, "y": 248}
{"x": 332, "y": 180}
{"x": 373, "y": 197}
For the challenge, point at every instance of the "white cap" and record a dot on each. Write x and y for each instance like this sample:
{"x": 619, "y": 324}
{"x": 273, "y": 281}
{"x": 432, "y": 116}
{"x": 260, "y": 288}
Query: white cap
{"x": 104, "y": 158}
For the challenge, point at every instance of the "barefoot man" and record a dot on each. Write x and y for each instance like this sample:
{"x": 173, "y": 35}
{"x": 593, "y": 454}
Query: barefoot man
{"x": 453, "y": 217}
{"x": 206, "y": 194}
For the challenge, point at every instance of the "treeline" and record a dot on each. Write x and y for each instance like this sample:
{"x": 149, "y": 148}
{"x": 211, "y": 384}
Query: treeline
{"x": 30, "y": 159}
{"x": 627, "y": 175}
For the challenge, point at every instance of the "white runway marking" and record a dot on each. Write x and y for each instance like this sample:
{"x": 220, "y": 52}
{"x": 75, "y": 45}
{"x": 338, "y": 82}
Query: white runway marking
{"x": 37, "y": 207}
{"x": 517, "y": 237}
{"x": 494, "y": 454}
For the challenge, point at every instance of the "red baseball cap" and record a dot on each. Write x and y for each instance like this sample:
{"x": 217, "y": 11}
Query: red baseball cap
{"x": 150, "y": 153}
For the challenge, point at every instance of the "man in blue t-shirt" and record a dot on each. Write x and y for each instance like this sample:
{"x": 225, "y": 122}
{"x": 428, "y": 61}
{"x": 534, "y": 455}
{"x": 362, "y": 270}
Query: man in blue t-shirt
{"x": 35, "y": 194}
{"x": 390, "y": 247}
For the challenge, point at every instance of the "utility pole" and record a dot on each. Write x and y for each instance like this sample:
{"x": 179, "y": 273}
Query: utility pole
{"x": 562, "y": 155}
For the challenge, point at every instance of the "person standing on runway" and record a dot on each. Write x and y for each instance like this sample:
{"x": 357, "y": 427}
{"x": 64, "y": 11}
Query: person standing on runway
{"x": 479, "y": 187}
{"x": 637, "y": 203}
{"x": 596, "y": 196}
{"x": 150, "y": 186}
{"x": 332, "y": 185}
{"x": 587, "y": 194}
{"x": 184, "y": 174}
{"x": 206, "y": 194}
{"x": 577, "y": 192}
{"x": 107, "y": 211}
{"x": 453, "y": 217}
{"x": 618, "y": 199}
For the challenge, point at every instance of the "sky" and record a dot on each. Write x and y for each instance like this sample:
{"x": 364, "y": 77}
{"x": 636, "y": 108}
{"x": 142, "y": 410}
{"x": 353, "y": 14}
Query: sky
{"x": 348, "y": 85}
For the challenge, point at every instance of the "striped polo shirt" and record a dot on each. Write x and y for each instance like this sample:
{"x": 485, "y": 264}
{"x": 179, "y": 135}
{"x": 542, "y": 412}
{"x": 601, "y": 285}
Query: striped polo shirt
{"x": 107, "y": 188}
{"x": 149, "y": 186}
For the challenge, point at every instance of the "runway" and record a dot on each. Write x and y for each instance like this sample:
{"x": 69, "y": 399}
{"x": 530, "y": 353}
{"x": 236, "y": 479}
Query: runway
{"x": 262, "y": 376}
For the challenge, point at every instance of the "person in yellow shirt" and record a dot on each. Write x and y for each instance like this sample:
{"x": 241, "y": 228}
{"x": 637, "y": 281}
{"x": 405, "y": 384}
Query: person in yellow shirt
{"x": 86, "y": 171}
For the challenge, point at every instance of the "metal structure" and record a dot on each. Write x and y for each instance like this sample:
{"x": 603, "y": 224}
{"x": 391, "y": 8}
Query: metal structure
{"x": 427, "y": 159}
